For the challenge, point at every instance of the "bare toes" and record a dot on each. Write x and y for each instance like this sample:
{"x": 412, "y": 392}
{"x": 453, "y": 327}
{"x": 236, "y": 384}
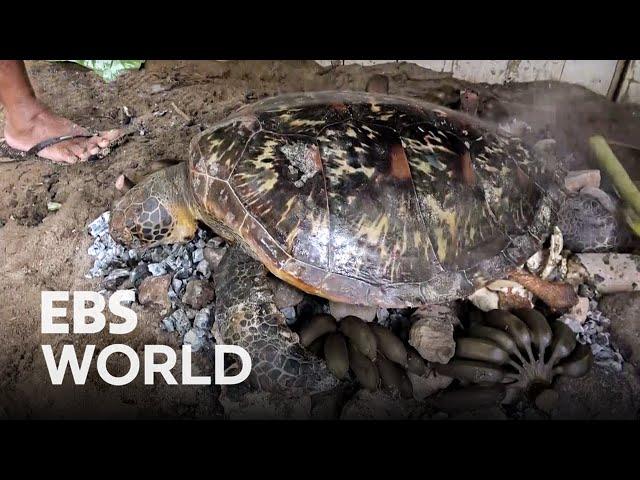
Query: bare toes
{"x": 79, "y": 150}
{"x": 59, "y": 154}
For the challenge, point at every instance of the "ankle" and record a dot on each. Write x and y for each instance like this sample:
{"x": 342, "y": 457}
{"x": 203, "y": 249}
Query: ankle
{"x": 24, "y": 113}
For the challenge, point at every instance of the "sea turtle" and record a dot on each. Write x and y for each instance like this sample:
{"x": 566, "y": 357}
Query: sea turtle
{"x": 357, "y": 197}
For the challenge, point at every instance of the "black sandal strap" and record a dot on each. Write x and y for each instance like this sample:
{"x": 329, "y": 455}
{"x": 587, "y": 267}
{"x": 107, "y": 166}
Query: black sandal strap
{"x": 53, "y": 141}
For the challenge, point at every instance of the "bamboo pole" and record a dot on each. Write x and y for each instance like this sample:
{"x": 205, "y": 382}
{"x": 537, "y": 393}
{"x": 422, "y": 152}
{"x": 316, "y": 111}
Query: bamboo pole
{"x": 612, "y": 166}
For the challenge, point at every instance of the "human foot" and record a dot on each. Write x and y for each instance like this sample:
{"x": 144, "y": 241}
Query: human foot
{"x": 35, "y": 123}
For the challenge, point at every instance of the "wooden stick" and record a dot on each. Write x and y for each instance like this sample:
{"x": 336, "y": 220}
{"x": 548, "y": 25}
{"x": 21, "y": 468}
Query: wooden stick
{"x": 621, "y": 180}
{"x": 180, "y": 112}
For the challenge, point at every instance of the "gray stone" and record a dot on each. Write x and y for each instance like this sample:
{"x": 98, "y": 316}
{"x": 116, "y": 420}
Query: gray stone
{"x": 382, "y": 315}
{"x": 168, "y": 324}
{"x": 181, "y": 322}
{"x": 156, "y": 269}
{"x": 115, "y": 278}
{"x": 157, "y": 255}
{"x": 289, "y": 315}
{"x": 176, "y": 283}
{"x": 198, "y": 294}
{"x": 194, "y": 339}
{"x": 198, "y": 255}
{"x": 203, "y": 319}
{"x": 139, "y": 273}
{"x": 203, "y": 268}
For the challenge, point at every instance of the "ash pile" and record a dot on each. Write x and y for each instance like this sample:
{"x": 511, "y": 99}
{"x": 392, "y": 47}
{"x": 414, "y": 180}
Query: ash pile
{"x": 176, "y": 279}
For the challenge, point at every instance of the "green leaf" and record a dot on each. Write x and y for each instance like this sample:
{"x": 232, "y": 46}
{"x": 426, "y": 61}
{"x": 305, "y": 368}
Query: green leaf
{"x": 108, "y": 69}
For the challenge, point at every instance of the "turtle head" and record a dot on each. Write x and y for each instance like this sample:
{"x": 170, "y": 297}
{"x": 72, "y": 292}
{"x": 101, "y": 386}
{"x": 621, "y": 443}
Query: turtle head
{"x": 154, "y": 212}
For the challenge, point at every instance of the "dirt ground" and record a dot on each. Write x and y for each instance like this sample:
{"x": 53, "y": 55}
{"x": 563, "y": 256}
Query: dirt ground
{"x": 42, "y": 250}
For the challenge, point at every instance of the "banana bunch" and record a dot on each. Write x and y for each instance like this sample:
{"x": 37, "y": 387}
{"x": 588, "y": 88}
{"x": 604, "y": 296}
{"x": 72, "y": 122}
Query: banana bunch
{"x": 509, "y": 354}
{"x": 376, "y": 357}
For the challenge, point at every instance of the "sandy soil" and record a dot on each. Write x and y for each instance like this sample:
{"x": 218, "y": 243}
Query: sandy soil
{"x": 42, "y": 250}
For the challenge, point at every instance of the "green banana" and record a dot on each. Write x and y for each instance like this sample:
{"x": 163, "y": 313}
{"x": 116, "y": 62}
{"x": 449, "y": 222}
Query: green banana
{"x": 500, "y": 338}
{"x": 512, "y": 325}
{"x": 393, "y": 377}
{"x": 480, "y": 349}
{"x": 318, "y": 326}
{"x": 541, "y": 334}
{"x": 564, "y": 341}
{"x": 390, "y": 345}
{"x": 360, "y": 335}
{"x": 415, "y": 363}
{"x": 363, "y": 368}
{"x": 577, "y": 364}
{"x": 336, "y": 355}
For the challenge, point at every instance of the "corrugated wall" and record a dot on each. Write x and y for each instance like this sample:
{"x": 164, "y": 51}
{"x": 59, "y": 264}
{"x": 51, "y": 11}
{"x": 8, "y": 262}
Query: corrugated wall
{"x": 630, "y": 88}
{"x": 601, "y": 76}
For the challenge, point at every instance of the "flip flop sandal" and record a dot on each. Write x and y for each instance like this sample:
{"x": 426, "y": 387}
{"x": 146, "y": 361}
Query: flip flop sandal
{"x": 9, "y": 155}
{"x": 36, "y": 149}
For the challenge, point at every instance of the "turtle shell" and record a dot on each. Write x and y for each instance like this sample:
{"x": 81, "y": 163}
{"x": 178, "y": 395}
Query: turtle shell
{"x": 372, "y": 199}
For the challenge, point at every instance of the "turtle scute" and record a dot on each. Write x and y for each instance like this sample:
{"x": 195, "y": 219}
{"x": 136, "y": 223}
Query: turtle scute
{"x": 507, "y": 356}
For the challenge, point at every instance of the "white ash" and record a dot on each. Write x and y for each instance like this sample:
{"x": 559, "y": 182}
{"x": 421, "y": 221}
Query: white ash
{"x": 108, "y": 253}
{"x": 120, "y": 267}
{"x": 593, "y": 332}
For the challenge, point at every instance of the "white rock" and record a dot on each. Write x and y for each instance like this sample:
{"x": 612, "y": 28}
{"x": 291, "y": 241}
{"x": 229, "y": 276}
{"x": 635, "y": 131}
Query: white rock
{"x": 432, "y": 333}
{"x": 607, "y": 272}
{"x": 580, "y": 310}
{"x": 555, "y": 253}
{"x": 485, "y": 299}
{"x": 341, "y": 310}
{"x": 503, "y": 286}
{"x": 578, "y": 179}
{"x": 534, "y": 263}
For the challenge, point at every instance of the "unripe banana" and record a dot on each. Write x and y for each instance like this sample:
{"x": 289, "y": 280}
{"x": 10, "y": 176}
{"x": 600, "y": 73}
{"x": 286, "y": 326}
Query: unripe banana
{"x": 390, "y": 345}
{"x": 318, "y": 326}
{"x": 363, "y": 368}
{"x": 360, "y": 335}
{"x": 500, "y": 338}
{"x": 577, "y": 364}
{"x": 564, "y": 341}
{"x": 481, "y": 349}
{"x": 336, "y": 355}
{"x": 512, "y": 325}
{"x": 415, "y": 363}
{"x": 393, "y": 377}
{"x": 539, "y": 327}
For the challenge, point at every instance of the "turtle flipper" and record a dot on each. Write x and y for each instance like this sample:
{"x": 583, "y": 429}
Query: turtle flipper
{"x": 247, "y": 316}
